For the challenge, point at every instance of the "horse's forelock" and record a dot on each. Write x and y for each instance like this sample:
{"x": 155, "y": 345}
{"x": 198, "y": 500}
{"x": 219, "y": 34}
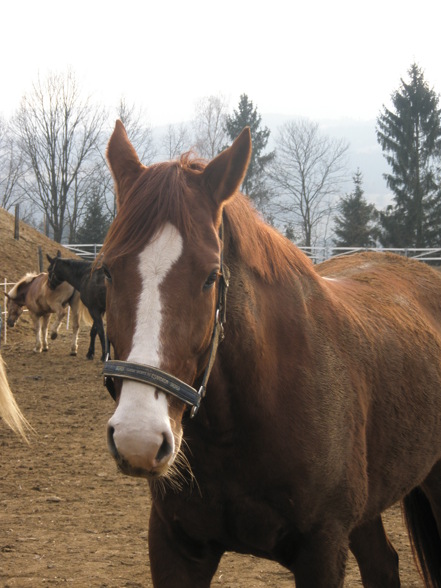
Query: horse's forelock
{"x": 160, "y": 195}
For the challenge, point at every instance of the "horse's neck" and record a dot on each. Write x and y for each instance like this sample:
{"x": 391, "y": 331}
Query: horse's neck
{"x": 24, "y": 292}
{"x": 74, "y": 273}
{"x": 258, "y": 314}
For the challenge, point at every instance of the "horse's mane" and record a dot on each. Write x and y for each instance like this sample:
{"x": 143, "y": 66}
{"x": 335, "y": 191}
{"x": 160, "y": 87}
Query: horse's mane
{"x": 26, "y": 279}
{"x": 264, "y": 248}
{"x": 163, "y": 193}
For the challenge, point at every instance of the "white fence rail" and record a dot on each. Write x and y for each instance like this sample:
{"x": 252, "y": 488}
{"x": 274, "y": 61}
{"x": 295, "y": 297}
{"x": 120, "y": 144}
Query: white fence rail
{"x": 317, "y": 254}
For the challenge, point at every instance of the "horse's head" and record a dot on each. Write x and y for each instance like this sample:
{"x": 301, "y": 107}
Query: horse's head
{"x": 14, "y": 310}
{"x": 53, "y": 280}
{"x": 162, "y": 259}
{"x": 17, "y": 298}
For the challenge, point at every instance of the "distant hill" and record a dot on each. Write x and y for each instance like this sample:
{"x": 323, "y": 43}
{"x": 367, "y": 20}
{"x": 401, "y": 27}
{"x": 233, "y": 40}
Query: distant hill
{"x": 19, "y": 257}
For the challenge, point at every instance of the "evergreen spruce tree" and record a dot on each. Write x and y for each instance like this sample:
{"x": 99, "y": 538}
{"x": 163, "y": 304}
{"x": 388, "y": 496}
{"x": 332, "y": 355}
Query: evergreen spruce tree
{"x": 96, "y": 221}
{"x": 410, "y": 136}
{"x": 254, "y": 184}
{"x": 355, "y": 224}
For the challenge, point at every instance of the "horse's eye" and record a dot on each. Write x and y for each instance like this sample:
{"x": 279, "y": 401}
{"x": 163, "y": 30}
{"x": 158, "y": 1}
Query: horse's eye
{"x": 106, "y": 273}
{"x": 211, "y": 279}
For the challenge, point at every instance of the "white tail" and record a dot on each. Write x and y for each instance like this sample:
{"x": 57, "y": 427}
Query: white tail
{"x": 9, "y": 409}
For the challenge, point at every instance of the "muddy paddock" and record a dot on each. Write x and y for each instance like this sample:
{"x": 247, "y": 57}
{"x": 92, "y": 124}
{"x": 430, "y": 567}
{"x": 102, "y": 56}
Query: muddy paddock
{"x": 67, "y": 517}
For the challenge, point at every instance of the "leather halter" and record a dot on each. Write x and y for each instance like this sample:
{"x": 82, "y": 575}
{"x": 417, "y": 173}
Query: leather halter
{"x": 153, "y": 376}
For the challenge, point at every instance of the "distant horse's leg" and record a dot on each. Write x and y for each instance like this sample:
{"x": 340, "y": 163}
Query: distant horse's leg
{"x": 37, "y": 329}
{"x": 44, "y": 327}
{"x": 375, "y": 555}
{"x": 100, "y": 328}
{"x": 91, "y": 351}
{"x": 75, "y": 308}
{"x": 60, "y": 314}
{"x": 177, "y": 561}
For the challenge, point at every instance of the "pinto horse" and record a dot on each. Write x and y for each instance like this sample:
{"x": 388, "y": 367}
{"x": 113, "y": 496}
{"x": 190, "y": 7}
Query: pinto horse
{"x": 90, "y": 284}
{"x": 33, "y": 291}
{"x": 323, "y": 402}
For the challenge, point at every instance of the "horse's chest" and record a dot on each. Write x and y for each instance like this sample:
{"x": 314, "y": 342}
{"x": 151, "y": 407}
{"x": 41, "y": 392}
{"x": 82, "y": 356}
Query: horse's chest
{"x": 239, "y": 523}
{"x": 256, "y": 525}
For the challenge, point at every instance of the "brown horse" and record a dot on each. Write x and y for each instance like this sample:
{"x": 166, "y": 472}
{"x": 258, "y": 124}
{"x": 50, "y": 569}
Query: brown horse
{"x": 33, "y": 291}
{"x": 323, "y": 407}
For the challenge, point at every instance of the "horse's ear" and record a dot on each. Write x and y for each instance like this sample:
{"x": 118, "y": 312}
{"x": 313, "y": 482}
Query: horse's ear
{"x": 49, "y": 258}
{"x": 123, "y": 161}
{"x": 7, "y": 295}
{"x": 224, "y": 174}
{"x": 58, "y": 253}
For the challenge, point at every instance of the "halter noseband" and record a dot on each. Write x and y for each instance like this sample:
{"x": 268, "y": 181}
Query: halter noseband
{"x": 147, "y": 374}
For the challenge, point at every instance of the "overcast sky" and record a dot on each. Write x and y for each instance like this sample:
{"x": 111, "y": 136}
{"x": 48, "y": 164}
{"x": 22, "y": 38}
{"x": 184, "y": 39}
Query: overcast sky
{"x": 316, "y": 59}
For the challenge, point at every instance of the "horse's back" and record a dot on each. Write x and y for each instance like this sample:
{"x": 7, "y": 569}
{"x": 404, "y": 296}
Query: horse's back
{"x": 42, "y": 299}
{"x": 391, "y": 279}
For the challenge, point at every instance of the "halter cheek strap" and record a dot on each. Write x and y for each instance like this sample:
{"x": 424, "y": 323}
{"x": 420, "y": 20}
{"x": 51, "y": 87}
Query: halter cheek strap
{"x": 153, "y": 376}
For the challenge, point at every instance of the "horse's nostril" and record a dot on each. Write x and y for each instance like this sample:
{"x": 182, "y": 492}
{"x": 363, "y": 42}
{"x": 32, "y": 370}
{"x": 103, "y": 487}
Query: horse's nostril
{"x": 111, "y": 441}
{"x": 165, "y": 449}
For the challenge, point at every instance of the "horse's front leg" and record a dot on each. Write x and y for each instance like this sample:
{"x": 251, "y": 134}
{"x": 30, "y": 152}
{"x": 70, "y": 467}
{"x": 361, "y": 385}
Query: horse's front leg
{"x": 100, "y": 329}
{"x": 375, "y": 555}
{"x": 176, "y": 561}
{"x": 60, "y": 314}
{"x": 320, "y": 560}
{"x": 91, "y": 351}
{"x": 37, "y": 331}
{"x": 75, "y": 329}
{"x": 44, "y": 327}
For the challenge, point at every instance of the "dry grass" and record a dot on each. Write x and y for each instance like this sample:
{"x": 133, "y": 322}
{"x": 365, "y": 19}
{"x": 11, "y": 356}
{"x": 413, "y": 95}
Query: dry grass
{"x": 20, "y": 257}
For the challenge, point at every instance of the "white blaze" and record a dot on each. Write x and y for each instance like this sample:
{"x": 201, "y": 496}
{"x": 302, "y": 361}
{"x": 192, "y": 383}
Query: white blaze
{"x": 141, "y": 421}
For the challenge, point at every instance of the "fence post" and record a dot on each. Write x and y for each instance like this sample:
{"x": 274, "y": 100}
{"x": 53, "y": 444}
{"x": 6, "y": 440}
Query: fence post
{"x": 17, "y": 222}
{"x": 4, "y": 299}
{"x": 40, "y": 258}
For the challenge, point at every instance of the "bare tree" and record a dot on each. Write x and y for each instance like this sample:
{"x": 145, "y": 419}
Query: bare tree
{"x": 308, "y": 173}
{"x": 11, "y": 169}
{"x": 138, "y": 129}
{"x": 209, "y": 125}
{"x": 140, "y": 134}
{"x": 176, "y": 140}
{"x": 57, "y": 132}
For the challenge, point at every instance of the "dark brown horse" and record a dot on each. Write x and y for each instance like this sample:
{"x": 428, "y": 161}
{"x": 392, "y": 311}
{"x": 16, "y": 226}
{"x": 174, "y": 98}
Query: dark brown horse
{"x": 323, "y": 407}
{"x": 90, "y": 284}
{"x": 32, "y": 291}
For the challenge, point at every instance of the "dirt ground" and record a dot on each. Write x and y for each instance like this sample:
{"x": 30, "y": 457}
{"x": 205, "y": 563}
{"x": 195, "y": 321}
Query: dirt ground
{"x": 67, "y": 517}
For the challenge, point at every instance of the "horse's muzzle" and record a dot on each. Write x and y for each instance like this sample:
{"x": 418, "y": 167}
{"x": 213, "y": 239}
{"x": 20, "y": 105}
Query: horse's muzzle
{"x": 147, "y": 466}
